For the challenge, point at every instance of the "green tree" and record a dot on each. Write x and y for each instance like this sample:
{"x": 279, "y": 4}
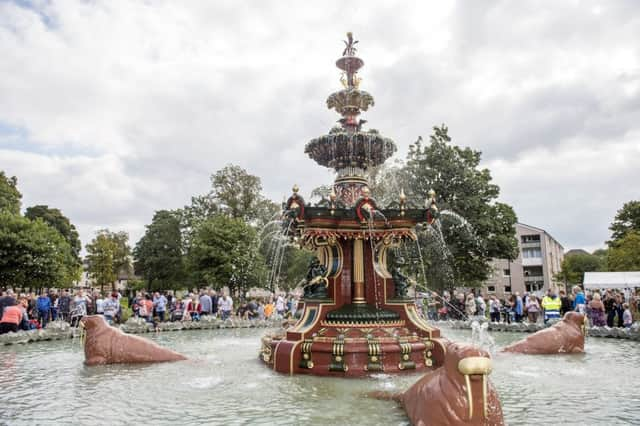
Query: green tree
{"x": 158, "y": 255}
{"x": 627, "y": 219}
{"x": 575, "y": 265}
{"x": 295, "y": 267}
{"x": 224, "y": 252}
{"x": 624, "y": 254}
{"x": 238, "y": 195}
{"x": 9, "y": 194}
{"x": 55, "y": 218}
{"x": 108, "y": 255}
{"x": 466, "y": 189}
{"x": 33, "y": 254}
{"x": 236, "y": 192}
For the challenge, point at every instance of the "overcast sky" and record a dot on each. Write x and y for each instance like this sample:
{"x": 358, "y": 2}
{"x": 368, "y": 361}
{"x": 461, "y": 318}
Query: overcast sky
{"x": 110, "y": 110}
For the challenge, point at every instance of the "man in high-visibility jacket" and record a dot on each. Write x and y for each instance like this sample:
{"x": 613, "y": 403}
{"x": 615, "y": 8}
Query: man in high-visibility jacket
{"x": 551, "y": 304}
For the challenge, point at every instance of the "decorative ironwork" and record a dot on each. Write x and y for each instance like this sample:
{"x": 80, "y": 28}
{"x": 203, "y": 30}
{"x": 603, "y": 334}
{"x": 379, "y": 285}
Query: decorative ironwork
{"x": 306, "y": 361}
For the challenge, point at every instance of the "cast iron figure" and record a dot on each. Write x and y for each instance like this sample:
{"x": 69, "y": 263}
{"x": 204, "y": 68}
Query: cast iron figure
{"x": 316, "y": 281}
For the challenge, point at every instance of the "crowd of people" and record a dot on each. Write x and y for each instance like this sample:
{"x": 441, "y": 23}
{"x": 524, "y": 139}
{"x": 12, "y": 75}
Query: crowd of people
{"x": 27, "y": 311}
{"x": 613, "y": 308}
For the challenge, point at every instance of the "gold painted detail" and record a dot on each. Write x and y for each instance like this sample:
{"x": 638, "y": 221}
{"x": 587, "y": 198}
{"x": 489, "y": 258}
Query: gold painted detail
{"x": 358, "y": 272}
{"x": 405, "y": 356}
{"x": 476, "y": 365}
{"x": 337, "y": 355}
{"x": 428, "y": 345}
{"x": 399, "y": 323}
{"x": 265, "y": 351}
{"x": 306, "y": 361}
{"x": 374, "y": 353}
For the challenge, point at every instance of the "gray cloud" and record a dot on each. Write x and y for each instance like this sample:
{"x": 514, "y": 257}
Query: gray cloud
{"x": 123, "y": 108}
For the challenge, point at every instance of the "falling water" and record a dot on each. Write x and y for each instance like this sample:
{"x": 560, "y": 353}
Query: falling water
{"x": 480, "y": 336}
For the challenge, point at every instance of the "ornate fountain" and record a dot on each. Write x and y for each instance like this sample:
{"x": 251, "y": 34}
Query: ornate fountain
{"x": 356, "y": 316}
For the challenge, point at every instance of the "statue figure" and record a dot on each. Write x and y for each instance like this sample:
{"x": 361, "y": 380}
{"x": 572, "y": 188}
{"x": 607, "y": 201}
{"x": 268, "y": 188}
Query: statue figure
{"x": 316, "y": 281}
{"x": 349, "y": 43}
{"x": 401, "y": 281}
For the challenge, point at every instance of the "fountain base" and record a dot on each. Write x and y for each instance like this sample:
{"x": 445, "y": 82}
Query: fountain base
{"x": 355, "y": 340}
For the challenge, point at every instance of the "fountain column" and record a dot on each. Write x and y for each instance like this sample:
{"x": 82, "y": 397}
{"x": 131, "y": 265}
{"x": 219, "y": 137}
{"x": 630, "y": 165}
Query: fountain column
{"x": 358, "y": 272}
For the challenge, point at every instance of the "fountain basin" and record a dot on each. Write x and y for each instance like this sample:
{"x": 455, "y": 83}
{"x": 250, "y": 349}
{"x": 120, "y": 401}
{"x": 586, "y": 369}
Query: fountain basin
{"x": 224, "y": 383}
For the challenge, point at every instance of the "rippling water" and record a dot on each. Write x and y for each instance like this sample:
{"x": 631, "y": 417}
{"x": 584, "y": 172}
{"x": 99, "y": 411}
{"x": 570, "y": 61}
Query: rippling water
{"x": 224, "y": 383}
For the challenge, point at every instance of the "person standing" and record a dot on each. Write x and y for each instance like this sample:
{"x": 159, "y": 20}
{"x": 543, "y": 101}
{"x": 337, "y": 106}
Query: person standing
{"x": 147, "y": 308}
{"x": 627, "y": 318}
{"x": 225, "y": 305}
{"x": 110, "y": 307}
{"x": 565, "y": 303}
{"x": 470, "y": 305}
{"x": 64, "y": 305}
{"x": 619, "y": 309}
{"x": 533, "y": 308}
{"x": 551, "y": 305}
{"x": 596, "y": 308}
{"x": 160, "y": 305}
{"x": 280, "y": 306}
{"x": 609, "y": 307}
{"x": 579, "y": 301}
{"x": 518, "y": 309}
{"x": 494, "y": 308}
{"x": 214, "y": 302}
{"x": 205, "y": 303}
{"x": 481, "y": 305}
{"x": 53, "y": 296}
{"x": 44, "y": 309}
{"x": 193, "y": 308}
{"x": 100, "y": 304}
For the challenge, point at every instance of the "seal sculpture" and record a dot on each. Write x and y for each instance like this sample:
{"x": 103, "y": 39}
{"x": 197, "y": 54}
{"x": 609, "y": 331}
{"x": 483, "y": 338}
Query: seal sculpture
{"x": 108, "y": 345}
{"x": 458, "y": 393}
{"x": 565, "y": 336}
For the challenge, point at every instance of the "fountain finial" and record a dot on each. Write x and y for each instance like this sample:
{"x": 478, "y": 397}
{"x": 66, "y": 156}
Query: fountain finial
{"x": 295, "y": 188}
{"x": 350, "y": 49}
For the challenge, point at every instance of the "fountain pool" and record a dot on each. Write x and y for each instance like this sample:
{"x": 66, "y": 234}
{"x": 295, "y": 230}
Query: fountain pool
{"x": 225, "y": 383}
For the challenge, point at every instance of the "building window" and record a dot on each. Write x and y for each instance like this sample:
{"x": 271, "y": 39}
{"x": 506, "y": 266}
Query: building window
{"x": 530, "y": 238}
{"x": 529, "y": 253}
{"x": 491, "y": 288}
{"x": 506, "y": 272}
{"x": 532, "y": 271}
{"x": 534, "y": 286}
{"x": 507, "y": 289}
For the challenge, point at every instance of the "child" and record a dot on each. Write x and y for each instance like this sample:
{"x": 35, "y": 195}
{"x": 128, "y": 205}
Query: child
{"x": 627, "y": 319}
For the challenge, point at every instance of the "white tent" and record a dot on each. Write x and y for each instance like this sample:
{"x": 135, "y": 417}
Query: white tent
{"x": 612, "y": 279}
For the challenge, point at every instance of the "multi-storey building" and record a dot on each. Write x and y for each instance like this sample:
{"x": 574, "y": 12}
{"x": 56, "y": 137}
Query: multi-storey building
{"x": 539, "y": 259}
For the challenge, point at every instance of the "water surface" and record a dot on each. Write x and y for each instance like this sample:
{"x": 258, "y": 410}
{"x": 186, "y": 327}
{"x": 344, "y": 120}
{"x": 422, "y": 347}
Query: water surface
{"x": 224, "y": 383}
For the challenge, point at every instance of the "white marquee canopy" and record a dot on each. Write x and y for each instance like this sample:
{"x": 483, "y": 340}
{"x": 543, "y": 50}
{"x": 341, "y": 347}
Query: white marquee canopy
{"x": 612, "y": 279}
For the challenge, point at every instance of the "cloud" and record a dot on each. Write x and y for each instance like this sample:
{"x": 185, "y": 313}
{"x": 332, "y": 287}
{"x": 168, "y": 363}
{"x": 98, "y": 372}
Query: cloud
{"x": 111, "y": 110}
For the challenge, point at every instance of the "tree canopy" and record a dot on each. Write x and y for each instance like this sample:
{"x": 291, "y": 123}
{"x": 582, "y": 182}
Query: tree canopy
{"x": 108, "y": 255}
{"x": 465, "y": 189}
{"x": 624, "y": 253}
{"x": 626, "y": 220}
{"x": 575, "y": 265}
{"x": 9, "y": 195}
{"x": 55, "y": 218}
{"x": 159, "y": 254}
{"x": 33, "y": 254}
{"x": 224, "y": 252}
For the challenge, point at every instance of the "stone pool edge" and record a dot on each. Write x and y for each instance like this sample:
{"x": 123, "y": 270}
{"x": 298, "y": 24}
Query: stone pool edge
{"x": 61, "y": 330}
